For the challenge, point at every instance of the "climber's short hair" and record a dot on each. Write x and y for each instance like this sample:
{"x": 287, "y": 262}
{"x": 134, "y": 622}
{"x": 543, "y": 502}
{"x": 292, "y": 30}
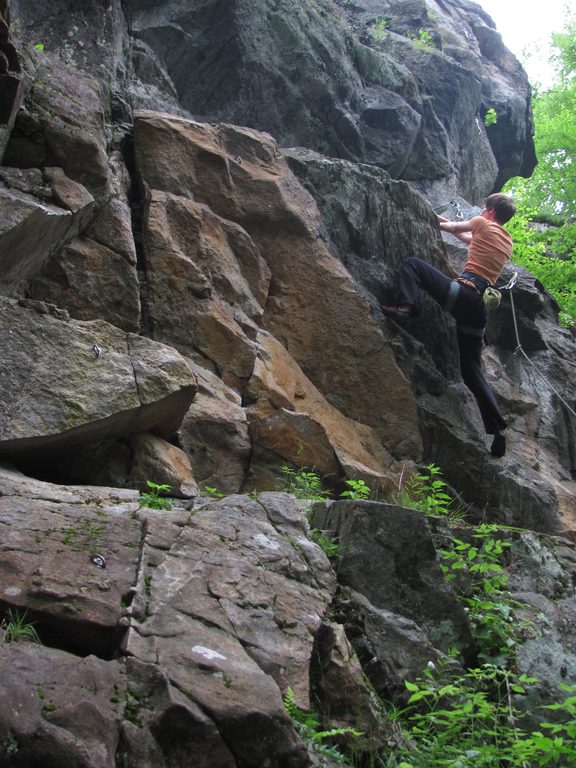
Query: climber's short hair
{"x": 503, "y": 206}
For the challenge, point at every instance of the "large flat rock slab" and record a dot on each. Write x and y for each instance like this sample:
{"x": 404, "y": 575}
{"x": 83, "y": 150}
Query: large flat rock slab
{"x": 65, "y": 381}
{"x": 69, "y": 557}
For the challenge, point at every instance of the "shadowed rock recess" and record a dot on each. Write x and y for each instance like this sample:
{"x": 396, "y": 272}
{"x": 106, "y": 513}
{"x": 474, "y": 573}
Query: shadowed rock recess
{"x": 202, "y": 208}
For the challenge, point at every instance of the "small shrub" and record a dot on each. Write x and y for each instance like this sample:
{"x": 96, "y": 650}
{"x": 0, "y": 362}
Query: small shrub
{"x": 211, "y": 492}
{"x": 379, "y": 30}
{"x": 423, "y": 39}
{"x": 153, "y": 499}
{"x": 357, "y": 489}
{"x": 491, "y": 117}
{"x": 302, "y": 484}
{"x": 483, "y": 583}
{"x": 426, "y": 491}
{"x": 308, "y": 726}
{"x": 327, "y": 543}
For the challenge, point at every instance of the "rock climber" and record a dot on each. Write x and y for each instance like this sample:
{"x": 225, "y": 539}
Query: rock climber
{"x": 490, "y": 247}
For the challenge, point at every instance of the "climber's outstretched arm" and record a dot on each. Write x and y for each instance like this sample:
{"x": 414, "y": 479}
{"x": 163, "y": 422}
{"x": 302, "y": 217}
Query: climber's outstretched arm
{"x": 460, "y": 229}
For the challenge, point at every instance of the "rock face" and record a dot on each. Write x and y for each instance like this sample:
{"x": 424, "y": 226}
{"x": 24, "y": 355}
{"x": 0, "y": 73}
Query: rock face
{"x": 405, "y": 86}
{"x": 201, "y": 212}
{"x": 172, "y": 636}
{"x": 90, "y": 381}
{"x": 265, "y": 268}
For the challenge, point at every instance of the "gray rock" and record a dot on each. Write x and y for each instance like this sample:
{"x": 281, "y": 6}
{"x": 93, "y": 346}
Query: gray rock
{"x": 391, "y": 648}
{"x": 30, "y": 228}
{"x": 50, "y": 538}
{"x": 386, "y": 553}
{"x": 62, "y": 125}
{"x": 92, "y": 379}
{"x": 58, "y": 709}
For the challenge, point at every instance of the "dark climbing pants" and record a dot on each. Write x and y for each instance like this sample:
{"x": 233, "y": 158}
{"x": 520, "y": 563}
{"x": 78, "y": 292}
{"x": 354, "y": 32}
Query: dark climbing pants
{"x": 467, "y": 308}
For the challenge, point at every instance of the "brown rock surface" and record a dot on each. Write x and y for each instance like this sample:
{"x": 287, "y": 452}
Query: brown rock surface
{"x": 313, "y": 309}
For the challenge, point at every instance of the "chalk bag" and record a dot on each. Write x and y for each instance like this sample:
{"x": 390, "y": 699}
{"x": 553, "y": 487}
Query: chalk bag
{"x": 492, "y": 297}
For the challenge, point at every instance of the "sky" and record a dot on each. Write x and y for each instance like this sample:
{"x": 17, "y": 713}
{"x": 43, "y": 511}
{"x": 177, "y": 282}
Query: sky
{"x": 526, "y": 26}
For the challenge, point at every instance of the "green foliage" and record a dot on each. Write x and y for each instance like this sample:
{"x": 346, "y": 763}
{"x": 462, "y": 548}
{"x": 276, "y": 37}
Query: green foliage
{"x": 357, "y": 489}
{"x": 153, "y": 499}
{"x": 212, "y": 492}
{"x": 467, "y": 719}
{"x": 423, "y": 39}
{"x": 550, "y": 193}
{"x": 309, "y": 728}
{"x": 379, "y": 30}
{"x": 490, "y": 118}
{"x": 426, "y": 491}
{"x": 304, "y": 484}
{"x": 532, "y": 248}
{"x": 17, "y": 627}
{"x": 39, "y": 46}
{"x": 327, "y": 543}
{"x": 477, "y": 568}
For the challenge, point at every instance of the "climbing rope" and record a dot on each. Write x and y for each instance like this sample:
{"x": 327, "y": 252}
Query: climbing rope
{"x": 508, "y": 287}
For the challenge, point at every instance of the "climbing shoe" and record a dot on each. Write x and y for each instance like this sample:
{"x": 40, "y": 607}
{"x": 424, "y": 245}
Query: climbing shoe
{"x": 498, "y": 448}
{"x": 398, "y": 312}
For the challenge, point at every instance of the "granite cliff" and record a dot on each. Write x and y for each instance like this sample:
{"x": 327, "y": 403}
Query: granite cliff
{"x": 202, "y": 208}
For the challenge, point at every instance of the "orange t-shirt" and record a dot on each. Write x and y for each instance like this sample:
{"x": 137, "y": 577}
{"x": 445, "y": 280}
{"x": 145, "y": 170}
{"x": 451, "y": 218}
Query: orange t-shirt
{"x": 490, "y": 249}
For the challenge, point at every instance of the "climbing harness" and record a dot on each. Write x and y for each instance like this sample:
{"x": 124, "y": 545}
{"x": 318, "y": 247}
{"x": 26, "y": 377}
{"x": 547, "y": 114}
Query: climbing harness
{"x": 508, "y": 287}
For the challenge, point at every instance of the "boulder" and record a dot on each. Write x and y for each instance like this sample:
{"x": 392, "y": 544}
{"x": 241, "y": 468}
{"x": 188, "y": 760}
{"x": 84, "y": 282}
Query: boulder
{"x": 158, "y": 461}
{"x": 14, "y": 83}
{"x": 61, "y": 125}
{"x": 232, "y": 603}
{"x": 411, "y": 104}
{"x": 68, "y": 559}
{"x": 207, "y": 284}
{"x": 340, "y": 690}
{"x": 90, "y": 281}
{"x": 290, "y": 418}
{"x": 387, "y": 554}
{"x": 57, "y": 708}
{"x": 92, "y": 379}
{"x": 390, "y": 647}
{"x": 214, "y": 435}
{"x": 32, "y": 227}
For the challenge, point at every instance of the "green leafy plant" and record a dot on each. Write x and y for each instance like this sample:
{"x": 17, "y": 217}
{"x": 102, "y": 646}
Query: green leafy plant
{"x": 464, "y": 720}
{"x": 309, "y": 728}
{"x": 549, "y": 195}
{"x": 491, "y": 117}
{"x": 357, "y": 489}
{"x": 427, "y": 492}
{"x": 379, "y": 30}
{"x": 327, "y": 543}
{"x": 39, "y": 46}
{"x": 153, "y": 498}
{"x": 304, "y": 484}
{"x": 17, "y": 627}
{"x": 468, "y": 720}
{"x": 534, "y": 250}
{"x": 212, "y": 492}
{"x": 423, "y": 39}
{"x": 482, "y": 580}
